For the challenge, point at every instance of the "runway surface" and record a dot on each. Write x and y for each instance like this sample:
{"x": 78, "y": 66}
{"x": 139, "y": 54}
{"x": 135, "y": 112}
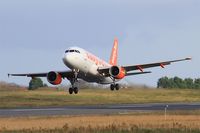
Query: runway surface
{"x": 96, "y": 109}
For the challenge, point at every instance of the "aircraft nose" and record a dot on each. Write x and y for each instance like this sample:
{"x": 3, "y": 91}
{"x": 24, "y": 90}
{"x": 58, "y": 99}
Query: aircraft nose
{"x": 67, "y": 58}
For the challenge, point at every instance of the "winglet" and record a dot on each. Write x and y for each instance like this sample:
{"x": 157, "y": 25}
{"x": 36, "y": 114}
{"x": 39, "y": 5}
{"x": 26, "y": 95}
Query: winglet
{"x": 188, "y": 58}
{"x": 114, "y": 54}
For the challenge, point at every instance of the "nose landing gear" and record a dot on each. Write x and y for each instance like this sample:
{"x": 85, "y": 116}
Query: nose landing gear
{"x": 73, "y": 89}
{"x": 73, "y": 81}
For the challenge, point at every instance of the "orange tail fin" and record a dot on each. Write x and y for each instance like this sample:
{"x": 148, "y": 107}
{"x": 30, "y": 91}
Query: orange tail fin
{"x": 114, "y": 54}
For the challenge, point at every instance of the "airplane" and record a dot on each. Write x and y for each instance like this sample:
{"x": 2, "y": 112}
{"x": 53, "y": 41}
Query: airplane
{"x": 88, "y": 67}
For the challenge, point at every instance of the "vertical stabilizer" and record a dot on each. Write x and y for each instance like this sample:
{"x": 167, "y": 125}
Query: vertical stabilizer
{"x": 114, "y": 54}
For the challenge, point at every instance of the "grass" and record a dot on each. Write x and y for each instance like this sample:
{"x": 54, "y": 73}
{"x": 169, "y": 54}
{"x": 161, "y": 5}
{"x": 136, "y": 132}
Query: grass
{"x": 137, "y": 122}
{"x": 142, "y": 123}
{"x": 52, "y": 97}
{"x": 108, "y": 129}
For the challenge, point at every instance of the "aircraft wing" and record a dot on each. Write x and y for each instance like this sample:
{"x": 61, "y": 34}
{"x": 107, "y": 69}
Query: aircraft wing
{"x": 105, "y": 70}
{"x": 64, "y": 74}
{"x": 157, "y": 64}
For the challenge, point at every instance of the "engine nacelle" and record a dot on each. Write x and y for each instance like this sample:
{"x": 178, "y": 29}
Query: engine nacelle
{"x": 54, "y": 78}
{"x": 117, "y": 72}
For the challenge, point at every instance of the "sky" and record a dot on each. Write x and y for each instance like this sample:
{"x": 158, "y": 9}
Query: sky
{"x": 35, "y": 33}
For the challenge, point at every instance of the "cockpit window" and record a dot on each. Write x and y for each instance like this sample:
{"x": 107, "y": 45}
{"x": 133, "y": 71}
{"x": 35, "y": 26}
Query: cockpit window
{"x": 71, "y": 51}
{"x": 77, "y": 51}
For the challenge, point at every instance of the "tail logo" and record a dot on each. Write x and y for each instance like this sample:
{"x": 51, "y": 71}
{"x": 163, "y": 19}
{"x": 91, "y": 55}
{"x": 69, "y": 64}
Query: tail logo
{"x": 114, "y": 54}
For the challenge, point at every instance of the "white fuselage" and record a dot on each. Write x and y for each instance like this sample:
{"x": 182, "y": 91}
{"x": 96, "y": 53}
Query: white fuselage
{"x": 86, "y": 64}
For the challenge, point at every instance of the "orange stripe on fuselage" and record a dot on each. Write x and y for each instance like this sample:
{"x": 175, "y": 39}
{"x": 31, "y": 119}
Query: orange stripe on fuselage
{"x": 96, "y": 60}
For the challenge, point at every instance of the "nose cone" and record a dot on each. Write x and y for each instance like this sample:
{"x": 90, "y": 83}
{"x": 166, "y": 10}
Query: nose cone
{"x": 68, "y": 60}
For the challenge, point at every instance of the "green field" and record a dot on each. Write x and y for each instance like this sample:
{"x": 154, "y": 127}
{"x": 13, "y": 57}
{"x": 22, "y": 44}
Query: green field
{"x": 10, "y": 98}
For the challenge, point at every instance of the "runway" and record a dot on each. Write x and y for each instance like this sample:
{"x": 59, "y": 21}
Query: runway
{"x": 96, "y": 109}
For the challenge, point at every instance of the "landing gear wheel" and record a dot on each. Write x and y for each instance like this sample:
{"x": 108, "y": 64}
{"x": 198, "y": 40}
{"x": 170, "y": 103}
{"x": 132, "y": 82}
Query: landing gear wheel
{"x": 117, "y": 87}
{"x": 70, "y": 90}
{"x": 75, "y": 90}
{"x": 112, "y": 87}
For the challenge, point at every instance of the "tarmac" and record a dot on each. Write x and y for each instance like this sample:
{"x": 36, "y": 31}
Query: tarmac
{"x": 96, "y": 109}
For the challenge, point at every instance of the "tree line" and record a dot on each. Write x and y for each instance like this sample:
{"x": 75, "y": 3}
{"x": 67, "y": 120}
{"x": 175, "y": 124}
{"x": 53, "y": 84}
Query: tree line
{"x": 164, "y": 82}
{"x": 176, "y": 82}
{"x": 36, "y": 83}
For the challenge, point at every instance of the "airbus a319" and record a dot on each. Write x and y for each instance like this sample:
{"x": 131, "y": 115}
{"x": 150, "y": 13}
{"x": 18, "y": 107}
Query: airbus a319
{"x": 88, "y": 67}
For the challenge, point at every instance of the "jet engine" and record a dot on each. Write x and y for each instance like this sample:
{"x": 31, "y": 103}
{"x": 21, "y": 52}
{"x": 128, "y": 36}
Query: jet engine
{"x": 54, "y": 78}
{"x": 117, "y": 72}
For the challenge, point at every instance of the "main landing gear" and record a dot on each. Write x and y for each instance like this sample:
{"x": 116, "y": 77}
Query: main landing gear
{"x": 114, "y": 87}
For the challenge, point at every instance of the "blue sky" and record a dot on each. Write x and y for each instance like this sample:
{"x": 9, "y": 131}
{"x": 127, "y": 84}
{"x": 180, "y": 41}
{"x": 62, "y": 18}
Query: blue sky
{"x": 34, "y": 34}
